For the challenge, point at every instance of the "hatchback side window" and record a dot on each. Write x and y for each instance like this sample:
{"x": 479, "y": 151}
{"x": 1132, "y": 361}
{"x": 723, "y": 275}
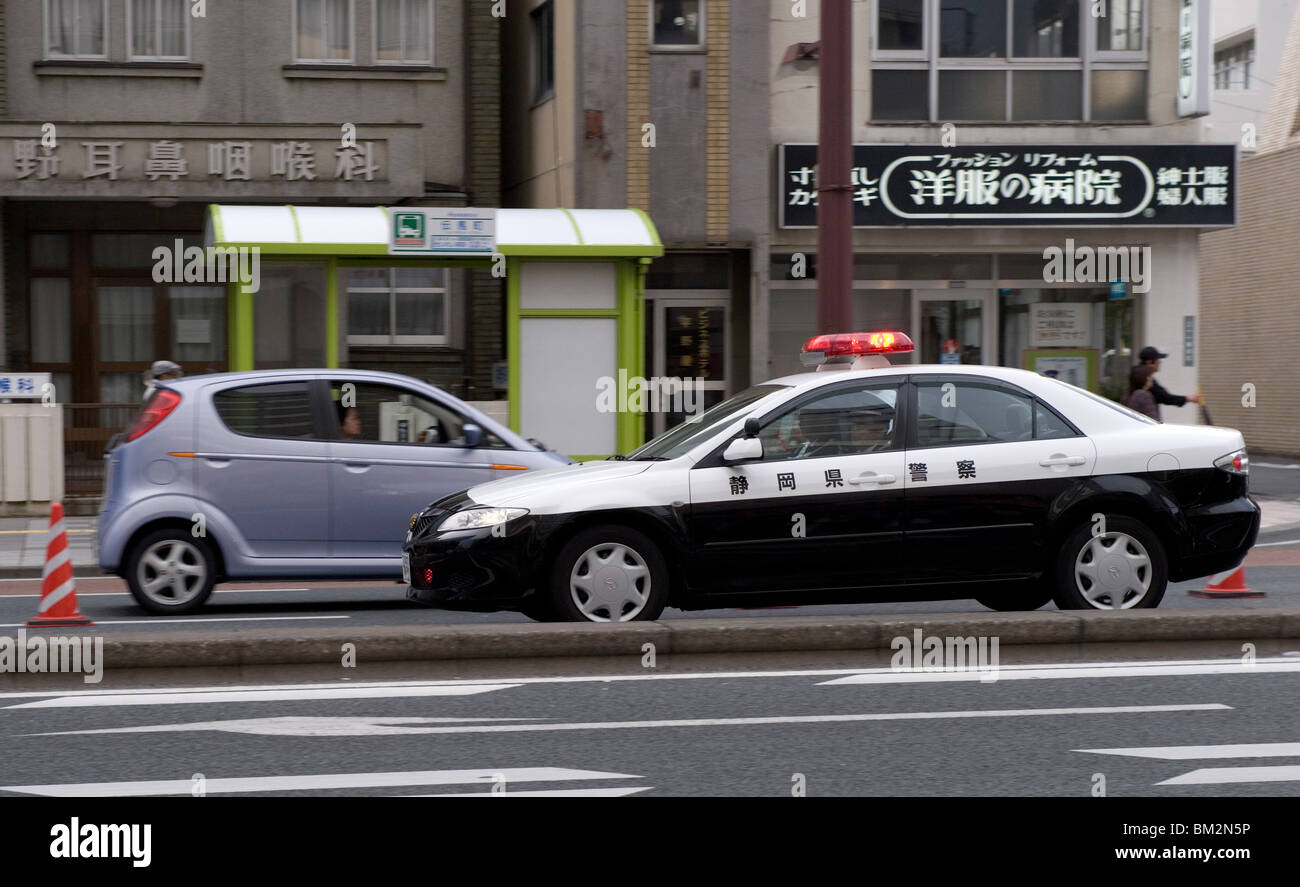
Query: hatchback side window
{"x": 373, "y": 413}
{"x": 961, "y": 412}
{"x": 281, "y": 410}
{"x": 842, "y": 422}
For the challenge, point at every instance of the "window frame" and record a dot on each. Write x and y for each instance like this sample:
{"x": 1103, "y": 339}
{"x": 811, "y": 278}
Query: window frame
{"x": 542, "y": 92}
{"x": 132, "y": 55}
{"x": 393, "y": 338}
{"x": 914, "y": 410}
{"x": 294, "y": 35}
{"x": 62, "y": 56}
{"x": 930, "y": 60}
{"x": 374, "y": 36}
{"x": 311, "y": 387}
{"x": 678, "y": 47}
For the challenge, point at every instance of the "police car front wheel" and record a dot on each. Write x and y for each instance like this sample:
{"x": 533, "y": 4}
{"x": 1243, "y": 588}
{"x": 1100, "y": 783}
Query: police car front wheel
{"x": 1121, "y": 569}
{"x": 609, "y": 574}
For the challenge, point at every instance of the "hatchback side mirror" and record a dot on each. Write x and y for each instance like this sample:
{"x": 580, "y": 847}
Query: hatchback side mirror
{"x": 743, "y": 449}
{"x": 473, "y": 434}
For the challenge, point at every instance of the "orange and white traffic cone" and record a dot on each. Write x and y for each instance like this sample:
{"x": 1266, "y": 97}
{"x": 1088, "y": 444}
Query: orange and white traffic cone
{"x": 58, "y": 589}
{"x": 1226, "y": 585}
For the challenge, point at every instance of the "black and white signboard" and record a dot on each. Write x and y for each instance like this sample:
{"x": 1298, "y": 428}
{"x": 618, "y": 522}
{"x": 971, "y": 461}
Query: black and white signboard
{"x": 1062, "y": 185}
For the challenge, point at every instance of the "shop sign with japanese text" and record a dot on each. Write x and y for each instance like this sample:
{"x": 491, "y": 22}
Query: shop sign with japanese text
{"x": 1061, "y": 185}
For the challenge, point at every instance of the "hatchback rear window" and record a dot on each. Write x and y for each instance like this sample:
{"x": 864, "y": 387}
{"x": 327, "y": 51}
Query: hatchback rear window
{"x": 282, "y": 410}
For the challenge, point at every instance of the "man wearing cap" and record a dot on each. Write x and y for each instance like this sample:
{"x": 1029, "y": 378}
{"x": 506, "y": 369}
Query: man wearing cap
{"x": 1152, "y": 357}
{"x": 161, "y": 369}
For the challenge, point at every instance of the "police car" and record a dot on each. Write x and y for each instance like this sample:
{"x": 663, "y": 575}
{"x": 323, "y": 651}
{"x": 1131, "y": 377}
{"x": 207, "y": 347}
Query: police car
{"x": 875, "y": 483}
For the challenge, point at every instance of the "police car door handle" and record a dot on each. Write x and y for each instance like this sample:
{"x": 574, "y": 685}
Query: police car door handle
{"x": 870, "y": 477}
{"x": 1062, "y": 459}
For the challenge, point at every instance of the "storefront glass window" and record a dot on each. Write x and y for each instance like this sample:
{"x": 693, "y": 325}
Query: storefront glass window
{"x": 51, "y": 320}
{"x": 198, "y": 334}
{"x": 50, "y": 251}
{"x": 126, "y": 330}
{"x": 1101, "y": 325}
{"x": 793, "y": 322}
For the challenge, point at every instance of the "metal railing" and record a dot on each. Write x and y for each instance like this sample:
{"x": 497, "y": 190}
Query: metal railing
{"x": 87, "y": 430}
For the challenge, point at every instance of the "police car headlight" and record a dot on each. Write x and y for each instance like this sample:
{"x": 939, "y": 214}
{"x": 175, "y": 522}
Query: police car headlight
{"x": 1234, "y": 463}
{"x": 478, "y": 518}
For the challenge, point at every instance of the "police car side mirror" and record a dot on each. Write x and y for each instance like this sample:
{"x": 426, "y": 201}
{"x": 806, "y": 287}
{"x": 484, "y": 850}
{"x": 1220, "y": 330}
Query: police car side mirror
{"x": 752, "y": 427}
{"x": 743, "y": 449}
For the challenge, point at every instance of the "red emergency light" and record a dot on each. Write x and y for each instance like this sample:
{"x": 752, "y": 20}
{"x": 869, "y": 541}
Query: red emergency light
{"x": 850, "y": 348}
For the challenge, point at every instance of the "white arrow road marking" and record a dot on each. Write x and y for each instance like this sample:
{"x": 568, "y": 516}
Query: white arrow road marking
{"x": 1221, "y": 775}
{"x": 282, "y": 726}
{"x": 287, "y": 695}
{"x": 549, "y": 793}
{"x": 1057, "y": 672}
{"x": 1189, "y": 752}
{"x": 318, "y": 782}
{"x": 296, "y": 726}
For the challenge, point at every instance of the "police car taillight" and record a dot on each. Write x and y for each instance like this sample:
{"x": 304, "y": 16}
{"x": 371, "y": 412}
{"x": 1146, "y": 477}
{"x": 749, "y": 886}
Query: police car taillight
{"x": 1234, "y": 463}
{"x": 856, "y": 351}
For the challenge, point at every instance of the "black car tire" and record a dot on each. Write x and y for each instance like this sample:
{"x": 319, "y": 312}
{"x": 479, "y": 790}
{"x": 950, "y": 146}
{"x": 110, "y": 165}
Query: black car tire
{"x": 188, "y": 553}
{"x": 628, "y": 552}
{"x": 1126, "y": 541}
{"x": 538, "y": 608}
{"x": 1018, "y": 599}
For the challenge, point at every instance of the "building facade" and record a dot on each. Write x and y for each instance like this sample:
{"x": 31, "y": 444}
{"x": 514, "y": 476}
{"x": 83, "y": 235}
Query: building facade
{"x": 995, "y": 141}
{"x": 123, "y": 119}
{"x": 660, "y": 105}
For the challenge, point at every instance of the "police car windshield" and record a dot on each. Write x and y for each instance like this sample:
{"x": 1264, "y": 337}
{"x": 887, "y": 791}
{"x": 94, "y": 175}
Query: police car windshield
{"x": 680, "y": 440}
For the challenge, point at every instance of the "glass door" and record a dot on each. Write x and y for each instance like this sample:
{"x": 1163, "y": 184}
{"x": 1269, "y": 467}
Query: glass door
{"x": 689, "y": 342}
{"x": 953, "y": 326}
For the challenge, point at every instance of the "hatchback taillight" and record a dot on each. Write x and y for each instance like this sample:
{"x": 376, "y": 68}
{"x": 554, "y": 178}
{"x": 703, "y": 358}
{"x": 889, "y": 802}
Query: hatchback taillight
{"x": 159, "y": 407}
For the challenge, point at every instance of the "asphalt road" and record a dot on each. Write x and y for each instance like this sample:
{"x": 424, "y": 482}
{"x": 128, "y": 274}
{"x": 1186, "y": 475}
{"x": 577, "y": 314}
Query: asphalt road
{"x": 1277, "y": 477}
{"x": 1137, "y": 729}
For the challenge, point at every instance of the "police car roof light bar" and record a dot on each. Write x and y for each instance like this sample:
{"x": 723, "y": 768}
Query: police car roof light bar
{"x": 856, "y": 351}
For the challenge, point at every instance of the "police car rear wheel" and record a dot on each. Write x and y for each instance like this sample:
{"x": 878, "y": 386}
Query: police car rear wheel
{"x": 609, "y": 574}
{"x": 1123, "y": 569}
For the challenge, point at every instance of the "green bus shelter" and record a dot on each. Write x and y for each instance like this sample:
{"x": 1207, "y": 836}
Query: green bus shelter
{"x": 575, "y": 284}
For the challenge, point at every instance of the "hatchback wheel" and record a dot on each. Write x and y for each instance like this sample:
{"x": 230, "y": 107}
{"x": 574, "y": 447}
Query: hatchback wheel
{"x": 170, "y": 571}
{"x": 1121, "y": 569}
{"x": 609, "y": 574}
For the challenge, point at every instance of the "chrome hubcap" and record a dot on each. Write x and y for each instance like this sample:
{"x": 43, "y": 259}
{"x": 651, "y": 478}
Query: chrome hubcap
{"x": 610, "y": 583}
{"x": 171, "y": 572}
{"x": 1113, "y": 572}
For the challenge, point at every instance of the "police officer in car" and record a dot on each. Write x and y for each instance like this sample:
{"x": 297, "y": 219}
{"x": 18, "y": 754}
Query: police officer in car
{"x": 1151, "y": 357}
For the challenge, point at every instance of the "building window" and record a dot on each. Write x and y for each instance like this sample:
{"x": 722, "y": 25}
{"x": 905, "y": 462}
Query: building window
{"x": 1234, "y": 65}
{"x": 397, "y": 306}
{"x": 1008, "y": 61}
{"x": 76, "y": 29}
{"x": 677, "y": 23}
{"x": 160, "y": 30}
{"x": 324, "y": 31}
{"x": 404, "y": 32}
{"x": 543, "y": 25}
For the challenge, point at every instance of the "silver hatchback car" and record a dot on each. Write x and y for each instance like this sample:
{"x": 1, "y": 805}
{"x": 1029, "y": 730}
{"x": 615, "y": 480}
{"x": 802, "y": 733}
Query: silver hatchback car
{"x": 288, "y": 474}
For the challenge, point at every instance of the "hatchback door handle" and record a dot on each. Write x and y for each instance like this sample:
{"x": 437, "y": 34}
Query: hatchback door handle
{"x": 870, "y": 477}
{"x": 1062, "y": 459}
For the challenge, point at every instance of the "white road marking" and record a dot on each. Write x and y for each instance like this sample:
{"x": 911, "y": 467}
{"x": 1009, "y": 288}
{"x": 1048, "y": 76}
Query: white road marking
{"x": 195, "y": 619}
{"x": 549, "y": 793}
{"x": 1275, "y": 465}
{"x": 1228, "y": 664}
{"x": 318, "y": 782}
{"x": 1056, "y": 672}
{"x": 128, "y": 594}
{"x": 280, "y": 728}
{"x": 1189, "y": 752}
{"x": 214, "y": 696}
{"x": 1223, "y": 775}
{"x": 1275, "y": 544}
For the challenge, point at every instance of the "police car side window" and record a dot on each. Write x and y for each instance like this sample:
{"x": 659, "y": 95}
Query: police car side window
{"x": 957, "y": 412}
{"x": 843, "y": 422}
{"x": 1048, "y": 425}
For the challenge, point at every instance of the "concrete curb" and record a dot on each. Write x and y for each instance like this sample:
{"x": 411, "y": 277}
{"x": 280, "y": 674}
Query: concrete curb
{"x": 253, "y": 647}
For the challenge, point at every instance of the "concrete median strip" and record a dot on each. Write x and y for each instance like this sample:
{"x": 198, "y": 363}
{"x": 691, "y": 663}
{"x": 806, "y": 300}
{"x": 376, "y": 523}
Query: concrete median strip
{"x": 277, "y": 646}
